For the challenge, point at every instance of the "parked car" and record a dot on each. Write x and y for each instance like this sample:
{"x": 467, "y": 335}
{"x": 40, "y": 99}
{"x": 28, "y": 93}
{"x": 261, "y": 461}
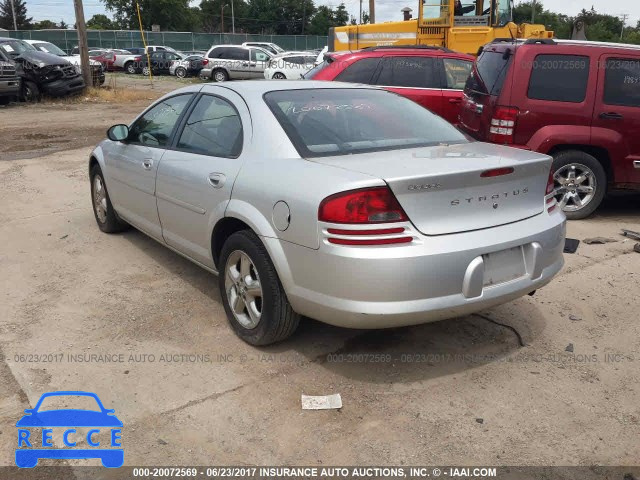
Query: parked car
{"x": 289, "y": 66}
{"x": 97, "y": 72}
{"x": 9, "y": 81}
{"x": 576, "y": 101}
{"x": 431, "y": 76}
{"x": 235, "y": 62}
{"x": 350, "y": 205}
{"x": 272, "y": 48}
{"x": 189, "y": 53}
{"x": 41, "y": 73}
{"x": 161, "y": 62}
{"x": 108, "y": 59}
{"x": 93, "y": 52}
{"x": 188, "y": 66}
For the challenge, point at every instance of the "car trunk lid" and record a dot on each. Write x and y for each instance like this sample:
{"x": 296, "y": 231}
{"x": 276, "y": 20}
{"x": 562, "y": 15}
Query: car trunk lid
{"x": 442, "y": 188}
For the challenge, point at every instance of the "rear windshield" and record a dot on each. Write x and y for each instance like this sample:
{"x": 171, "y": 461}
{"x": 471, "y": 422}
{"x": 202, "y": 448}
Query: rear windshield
{"x": 489, "y": 72}
{"x": 315, "y": 70}
{"x": 327, "y": 122}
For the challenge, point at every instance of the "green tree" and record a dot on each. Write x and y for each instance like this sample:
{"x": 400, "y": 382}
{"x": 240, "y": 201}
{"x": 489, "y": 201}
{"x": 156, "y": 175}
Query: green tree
{"x": 340, "y": 16}
{"x": 322, "y": 21}
{"x": 100, "y": 22}
{"x": 6, "y": 15}
{"x": 169, "y": 14}
{"x": 63, "y": 25}
{"x": 44, "y": 25}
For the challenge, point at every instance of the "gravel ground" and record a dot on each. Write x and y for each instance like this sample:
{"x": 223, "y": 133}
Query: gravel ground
{"x": 461, "y": 391}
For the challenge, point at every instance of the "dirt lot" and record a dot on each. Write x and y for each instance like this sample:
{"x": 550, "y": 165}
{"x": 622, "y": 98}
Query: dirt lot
{"x": 461, "y": 391}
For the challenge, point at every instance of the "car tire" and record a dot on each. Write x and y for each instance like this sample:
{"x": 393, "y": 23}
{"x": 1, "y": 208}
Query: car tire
{"x": 30, "y": 92}
{"x": 244, "y": 253}
{"x": 106, "y": 216}
{"x": 219, "y": 75}
{"x": 145, "y": 71}
{"x": 578, "y": 199}
{"x": 181, "y": 72}
{"x": 130, "y": 68}
{"x": 279, "y": 76}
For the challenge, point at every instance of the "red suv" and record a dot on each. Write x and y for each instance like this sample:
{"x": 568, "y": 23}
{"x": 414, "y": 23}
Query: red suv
{"x": 576, "y": 101}
{"x": 431, "y": 76}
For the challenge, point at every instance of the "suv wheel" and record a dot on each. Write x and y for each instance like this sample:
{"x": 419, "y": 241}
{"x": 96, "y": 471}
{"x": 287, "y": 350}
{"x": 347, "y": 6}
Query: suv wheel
{"x": 130, "y": 68}
{"x": 30, "y": 92}
{"x": 580, "y": 183}
{"x": 253, "y": 298}
{"x": 219, "y": 76}
{"x": 181, "y": 72}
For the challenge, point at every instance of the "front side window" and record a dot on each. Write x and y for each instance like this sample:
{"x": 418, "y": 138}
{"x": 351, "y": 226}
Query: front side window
{"x": 258, "y": 56}
{"x": 559, "y": 78}
{"x": 359, "y": 72}
{"x": 456, "y": 72}
{"x": 154, "y": 128}
{"x": 327, "y": 122}
{"x": 213, "y": 128}
{"x": 622, "y": 82}
{"x": 412, "y": 72}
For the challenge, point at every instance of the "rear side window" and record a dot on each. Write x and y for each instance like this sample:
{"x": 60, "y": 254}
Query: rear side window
{"x": 559, "y": 78}
{"x": 213, "y": 128}
{"x": 490, "y": 72}
{"x": 456, "y": 72}
{"x": 622, "y": 82}
{"x": 315, "y": 70}
{"x": 359, "y": 72}
{"x": 412, "y": 72}
{"x": 237, "y": 54}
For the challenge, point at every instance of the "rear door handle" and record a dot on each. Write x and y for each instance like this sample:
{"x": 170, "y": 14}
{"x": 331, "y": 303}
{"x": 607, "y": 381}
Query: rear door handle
{"x": 611, "y": 116}
{"x": 147, "y": 164}
{"x": 217, "y": 180}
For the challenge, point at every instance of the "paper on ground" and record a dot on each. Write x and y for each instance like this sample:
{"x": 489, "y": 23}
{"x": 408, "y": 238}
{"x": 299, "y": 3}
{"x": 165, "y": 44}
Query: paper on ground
{"x": 321, "y": 402}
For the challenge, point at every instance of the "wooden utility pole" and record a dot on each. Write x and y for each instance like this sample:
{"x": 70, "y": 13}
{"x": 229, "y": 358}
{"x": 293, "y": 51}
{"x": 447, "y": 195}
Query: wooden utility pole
{"x": 372, "y": 11}
{"x": 83, "y": 44}
{"x": 13, "y": 11}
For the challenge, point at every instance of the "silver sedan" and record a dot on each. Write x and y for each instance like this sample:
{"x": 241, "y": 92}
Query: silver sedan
{"x": 348, "y": 204}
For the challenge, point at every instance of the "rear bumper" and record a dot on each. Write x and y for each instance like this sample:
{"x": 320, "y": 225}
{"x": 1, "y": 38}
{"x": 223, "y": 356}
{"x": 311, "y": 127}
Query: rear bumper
{"x": 429, "y": 280}
{"x": 61, "y": 88}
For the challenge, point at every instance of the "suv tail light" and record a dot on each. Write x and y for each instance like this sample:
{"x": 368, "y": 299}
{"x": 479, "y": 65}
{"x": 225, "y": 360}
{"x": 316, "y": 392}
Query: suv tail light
{"x": 205, "y": 62}
{"x": 366, "y": 205}
{"x": 137, "y": 59}
{"x": 550, "y": 198}
{"x": 503, "y": 124}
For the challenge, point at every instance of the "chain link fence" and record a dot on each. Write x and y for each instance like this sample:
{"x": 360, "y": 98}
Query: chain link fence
{"x": 181, "y": 41}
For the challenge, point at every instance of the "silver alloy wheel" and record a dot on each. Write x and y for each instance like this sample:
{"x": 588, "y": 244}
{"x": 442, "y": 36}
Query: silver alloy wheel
{"x": 575, "y": 186}
{"x": 219, "y": 76}
{"x": 181, "y": 72}
{"x": 244, "y": 291}
{"x": 131, "y": 68}
{"x": 279, "y": 76}
{"x": 99, "y": 199}
{"x": 145, "y": 71}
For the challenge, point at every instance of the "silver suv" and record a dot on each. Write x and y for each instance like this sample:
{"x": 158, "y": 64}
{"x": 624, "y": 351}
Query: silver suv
{"x": 235, "y": 62}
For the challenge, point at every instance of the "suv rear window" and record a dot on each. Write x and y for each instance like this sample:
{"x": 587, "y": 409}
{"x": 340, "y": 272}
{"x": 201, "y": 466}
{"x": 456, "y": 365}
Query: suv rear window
{"x": 559, "y": 78}
{"x": 328, "y": 122}
{"x": 622, "y": 82}
{"x": 489, "y": 73}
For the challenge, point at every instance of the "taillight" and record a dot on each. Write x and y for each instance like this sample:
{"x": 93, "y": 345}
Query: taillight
{"x": 503, "y": 124}
{"x": 550, "y": 198}
{"x": 497, "y": 172}
{"x": 366, "y": 205}
{"x": 205, "y": 62}
{"x": 137, "y": 59}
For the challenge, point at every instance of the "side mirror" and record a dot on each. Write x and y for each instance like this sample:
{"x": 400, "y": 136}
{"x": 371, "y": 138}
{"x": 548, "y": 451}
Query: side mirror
{"x": 118, "y": 133}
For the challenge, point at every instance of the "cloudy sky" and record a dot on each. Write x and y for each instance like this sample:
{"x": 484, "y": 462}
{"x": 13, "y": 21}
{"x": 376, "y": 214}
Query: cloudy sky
{"x": 385, "y": 9}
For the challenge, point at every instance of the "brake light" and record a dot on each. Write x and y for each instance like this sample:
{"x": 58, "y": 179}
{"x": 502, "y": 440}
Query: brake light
{"x": 366, "y": 205}
{"x": 137, "y": 59}
{"x": 550, "y": 198}
{"x": 497, "y": 172}
{"x": 205, "y": 61}
{"x": 503, "y": 124}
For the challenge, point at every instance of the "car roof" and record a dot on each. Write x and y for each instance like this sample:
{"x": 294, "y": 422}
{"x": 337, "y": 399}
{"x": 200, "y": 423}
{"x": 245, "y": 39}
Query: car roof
{"x": 505, "y": 43}
{"x": 402, "y": 51}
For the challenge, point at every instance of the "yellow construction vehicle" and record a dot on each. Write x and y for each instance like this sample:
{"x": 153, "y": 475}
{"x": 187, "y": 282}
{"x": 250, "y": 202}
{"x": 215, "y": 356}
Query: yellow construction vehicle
{"x": 463, "y": 27}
